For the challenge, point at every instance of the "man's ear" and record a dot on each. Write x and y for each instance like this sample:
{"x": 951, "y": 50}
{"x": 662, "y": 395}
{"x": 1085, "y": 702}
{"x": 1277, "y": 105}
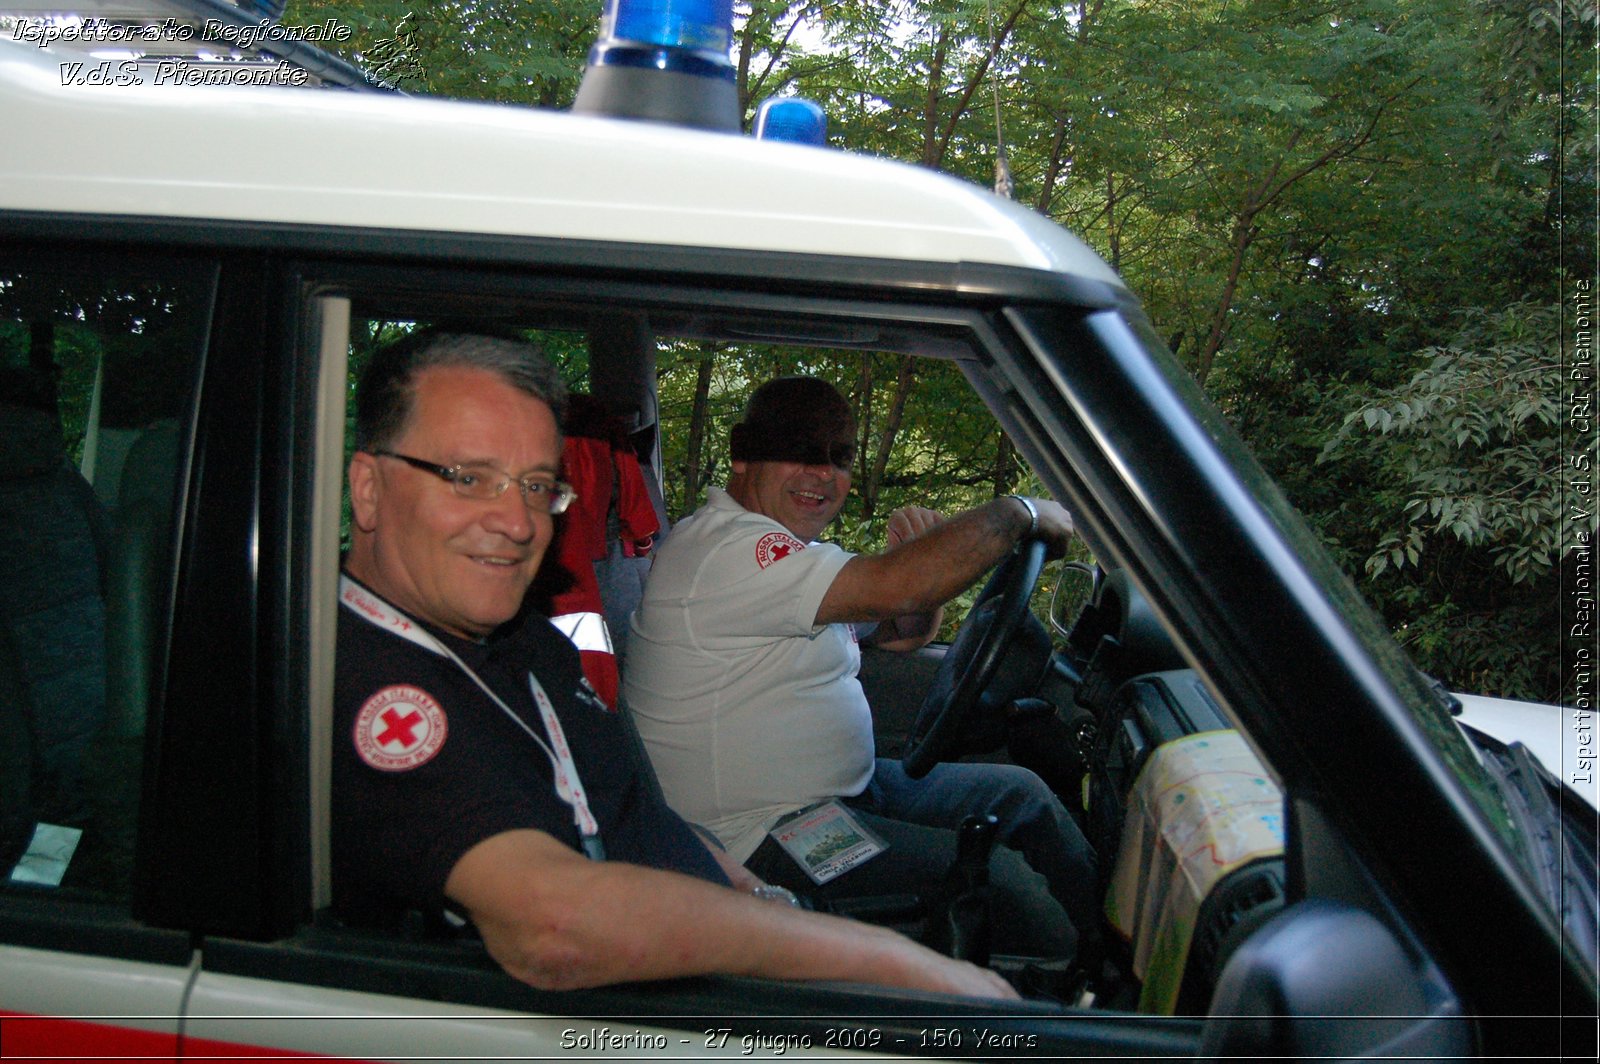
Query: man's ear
{"x": 364, "y": 491}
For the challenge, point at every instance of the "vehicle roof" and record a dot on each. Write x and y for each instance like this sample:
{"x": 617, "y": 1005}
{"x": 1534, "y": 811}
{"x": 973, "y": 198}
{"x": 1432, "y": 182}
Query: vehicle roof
{"x": 305, "y": 157}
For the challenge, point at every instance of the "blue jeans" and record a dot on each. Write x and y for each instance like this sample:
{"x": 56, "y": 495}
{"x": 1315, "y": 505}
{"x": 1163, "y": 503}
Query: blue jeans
{"x": 1042, "y": 866}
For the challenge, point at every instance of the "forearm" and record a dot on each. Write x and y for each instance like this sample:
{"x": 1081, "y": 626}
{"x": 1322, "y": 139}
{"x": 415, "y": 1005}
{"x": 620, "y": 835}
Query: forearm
{"x": 921, "y": 574}
{"x": 909, "y": 631}
{"x": 556, "y": 920}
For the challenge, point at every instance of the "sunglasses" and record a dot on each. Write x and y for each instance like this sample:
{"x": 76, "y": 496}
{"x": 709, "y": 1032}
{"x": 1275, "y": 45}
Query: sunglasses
{"x": 840, "y": 454}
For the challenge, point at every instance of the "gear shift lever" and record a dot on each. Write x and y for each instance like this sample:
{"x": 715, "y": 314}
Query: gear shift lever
{"x": 969, "y": 915}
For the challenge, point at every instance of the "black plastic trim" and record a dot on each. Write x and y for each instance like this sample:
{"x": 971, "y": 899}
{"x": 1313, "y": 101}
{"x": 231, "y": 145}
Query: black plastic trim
{"x": 202, "y": 861}
{"x": 1322, "y": 980}
{"x": 52, "y": 923}
{"x": 288, "y": 490}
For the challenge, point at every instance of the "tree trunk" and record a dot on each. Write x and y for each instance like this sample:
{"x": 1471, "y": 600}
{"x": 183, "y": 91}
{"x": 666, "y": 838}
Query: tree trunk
{"x": 930, "y": 106}
{"x": 1004, "y": 467}
{"x": 1059, "y": 161}
{"x": 891, "y": 426}
{"x": 1113, "y": 235}
{"x": 863, "y": 406}
{"x": 698, "y": 416}
{"x": 1244, "y": 233}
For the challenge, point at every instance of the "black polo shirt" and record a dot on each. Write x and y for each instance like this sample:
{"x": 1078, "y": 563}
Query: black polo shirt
{"x": 426, "y": 766}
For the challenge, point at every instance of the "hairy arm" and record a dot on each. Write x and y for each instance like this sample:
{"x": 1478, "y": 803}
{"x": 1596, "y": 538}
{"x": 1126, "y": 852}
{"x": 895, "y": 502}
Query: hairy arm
{"x": 922, "y": 573}
{"x": 556, "y": 920}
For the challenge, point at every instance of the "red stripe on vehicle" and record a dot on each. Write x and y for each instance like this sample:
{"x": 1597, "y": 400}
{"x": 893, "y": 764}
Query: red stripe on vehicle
{"x": 25, "y": 1037}
{"x": 213, "y": 1049}
{"x": 47, "y": 1037}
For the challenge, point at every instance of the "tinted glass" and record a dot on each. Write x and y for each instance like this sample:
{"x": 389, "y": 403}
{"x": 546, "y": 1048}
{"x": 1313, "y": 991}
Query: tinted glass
{"x": 97, "y": 364}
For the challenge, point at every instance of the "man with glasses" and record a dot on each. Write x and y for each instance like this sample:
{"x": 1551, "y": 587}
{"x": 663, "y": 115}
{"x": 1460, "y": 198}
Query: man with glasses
{"x": 475, "y": 775}
{"x": 742, "y": 679}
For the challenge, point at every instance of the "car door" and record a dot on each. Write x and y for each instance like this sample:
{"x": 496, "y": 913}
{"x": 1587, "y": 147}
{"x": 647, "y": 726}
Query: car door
{"x": 284, "y": 972}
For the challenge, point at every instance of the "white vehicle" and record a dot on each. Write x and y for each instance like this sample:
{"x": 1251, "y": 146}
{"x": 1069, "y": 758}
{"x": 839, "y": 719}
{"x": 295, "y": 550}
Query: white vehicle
{"x": 185, "y": 276}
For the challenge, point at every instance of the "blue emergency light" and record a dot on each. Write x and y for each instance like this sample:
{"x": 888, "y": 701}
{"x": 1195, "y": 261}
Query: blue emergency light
{"x": 791, "y": 118}
{"x": 664, "y": 61}
{"x": 698, "y": 25}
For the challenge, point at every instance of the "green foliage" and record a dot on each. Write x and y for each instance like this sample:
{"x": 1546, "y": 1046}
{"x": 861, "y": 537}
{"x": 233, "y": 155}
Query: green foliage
{"x": 511, "y": 51}
{"x": 1472, "y": 445}
{"x": 1461, "y": 508}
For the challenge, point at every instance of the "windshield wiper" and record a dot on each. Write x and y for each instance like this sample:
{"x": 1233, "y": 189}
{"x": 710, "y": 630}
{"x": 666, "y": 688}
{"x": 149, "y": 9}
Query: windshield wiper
{"x": 1557, "y": 833}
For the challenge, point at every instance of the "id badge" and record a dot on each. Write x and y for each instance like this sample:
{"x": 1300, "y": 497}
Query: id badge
{"x": 826, "y": 841}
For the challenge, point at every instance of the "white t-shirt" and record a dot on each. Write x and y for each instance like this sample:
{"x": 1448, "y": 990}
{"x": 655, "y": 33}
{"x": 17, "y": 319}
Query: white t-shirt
{"x": 749, "y": 710}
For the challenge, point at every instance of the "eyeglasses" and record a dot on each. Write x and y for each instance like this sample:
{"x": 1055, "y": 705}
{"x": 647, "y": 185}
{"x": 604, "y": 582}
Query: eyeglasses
{"x": 479, "y": 480}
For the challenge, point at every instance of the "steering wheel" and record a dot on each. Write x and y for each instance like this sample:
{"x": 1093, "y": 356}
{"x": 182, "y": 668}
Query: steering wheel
{"x": 972, "y": 659}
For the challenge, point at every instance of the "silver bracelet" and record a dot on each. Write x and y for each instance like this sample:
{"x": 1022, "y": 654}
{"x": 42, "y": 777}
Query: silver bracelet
{"x": 1033, "y": 515}
{"x": 781, "y": 895}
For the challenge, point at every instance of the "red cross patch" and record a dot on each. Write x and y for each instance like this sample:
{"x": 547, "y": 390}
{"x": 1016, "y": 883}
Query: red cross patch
{"x": 775, "y": 546}
{"x": 399, "y": 728}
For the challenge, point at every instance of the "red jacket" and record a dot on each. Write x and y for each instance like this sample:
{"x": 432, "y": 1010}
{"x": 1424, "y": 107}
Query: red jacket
{"x": 604, "y": 471}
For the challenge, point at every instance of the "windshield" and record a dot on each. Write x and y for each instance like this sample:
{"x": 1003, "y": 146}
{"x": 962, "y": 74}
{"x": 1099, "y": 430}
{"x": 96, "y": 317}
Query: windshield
{"x": 1185, "y": 499}
{"x": 1422, "y": 698}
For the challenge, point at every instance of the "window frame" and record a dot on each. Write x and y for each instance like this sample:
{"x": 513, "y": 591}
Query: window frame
{"x": 320, "y": 953}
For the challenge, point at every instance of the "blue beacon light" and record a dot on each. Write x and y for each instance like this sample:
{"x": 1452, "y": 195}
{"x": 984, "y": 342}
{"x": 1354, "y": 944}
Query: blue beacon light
{"x": 664, "y": 61}
{"x": 792, "y": 118}
{"x": 699, "y": 25}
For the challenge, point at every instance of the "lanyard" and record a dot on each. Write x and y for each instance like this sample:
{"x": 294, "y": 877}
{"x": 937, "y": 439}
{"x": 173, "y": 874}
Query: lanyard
{"x": 569, "y": 787}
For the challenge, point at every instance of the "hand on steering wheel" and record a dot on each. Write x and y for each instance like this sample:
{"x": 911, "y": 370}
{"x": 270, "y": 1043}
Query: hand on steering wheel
{"x": 973, "y": 658}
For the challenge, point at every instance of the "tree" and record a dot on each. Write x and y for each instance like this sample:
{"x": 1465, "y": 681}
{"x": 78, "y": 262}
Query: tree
{"x": 512, "y": 51}
{"x": 1466, "y": 532}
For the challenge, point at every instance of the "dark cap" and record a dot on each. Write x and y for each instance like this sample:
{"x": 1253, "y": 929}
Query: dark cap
{"x": 796, "y": 419}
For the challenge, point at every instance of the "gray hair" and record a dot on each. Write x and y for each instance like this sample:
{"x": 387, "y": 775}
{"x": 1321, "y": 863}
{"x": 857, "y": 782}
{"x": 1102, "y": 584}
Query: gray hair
{"x": 387, "y": 390}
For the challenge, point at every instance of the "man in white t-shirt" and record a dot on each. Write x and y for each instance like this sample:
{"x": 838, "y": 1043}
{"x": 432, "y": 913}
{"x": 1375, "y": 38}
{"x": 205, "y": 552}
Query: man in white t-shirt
{"x": 743, "y": 662}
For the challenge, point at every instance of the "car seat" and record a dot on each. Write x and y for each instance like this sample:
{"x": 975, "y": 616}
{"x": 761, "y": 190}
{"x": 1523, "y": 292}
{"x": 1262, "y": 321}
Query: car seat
{"x": 53, "y": 629}
{"x": 138, "y": 578}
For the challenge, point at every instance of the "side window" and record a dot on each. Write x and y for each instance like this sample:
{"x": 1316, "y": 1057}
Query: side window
{"x": 97, "y": 367}
{"x": 924, "y": 439}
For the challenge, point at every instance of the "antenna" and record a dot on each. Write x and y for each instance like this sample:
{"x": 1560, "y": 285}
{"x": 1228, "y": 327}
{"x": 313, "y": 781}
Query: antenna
{"x": 1003, "y": 185}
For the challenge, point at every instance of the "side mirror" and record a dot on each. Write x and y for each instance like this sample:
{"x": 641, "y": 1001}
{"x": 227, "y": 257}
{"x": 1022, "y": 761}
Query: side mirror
{"x": 1076, "y": 587}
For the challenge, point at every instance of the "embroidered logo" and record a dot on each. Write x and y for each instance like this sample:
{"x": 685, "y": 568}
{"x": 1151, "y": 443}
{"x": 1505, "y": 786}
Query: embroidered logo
{"x": 775, "y": 546}
{"x": 399, "y": 728}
